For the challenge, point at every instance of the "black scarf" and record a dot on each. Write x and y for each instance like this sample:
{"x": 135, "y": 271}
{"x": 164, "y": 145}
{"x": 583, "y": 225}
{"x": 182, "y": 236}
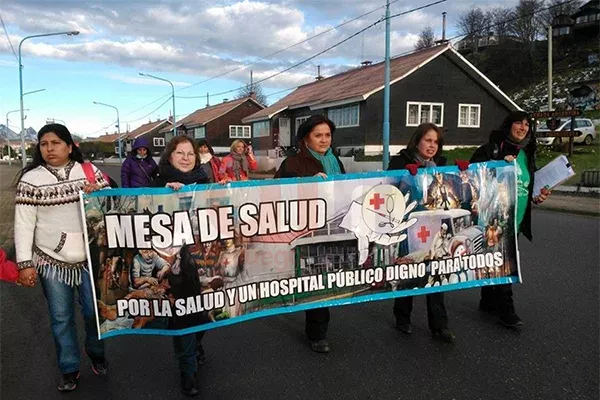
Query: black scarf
{"x": 512, "y": 147}
{"x": 168, "y": 173}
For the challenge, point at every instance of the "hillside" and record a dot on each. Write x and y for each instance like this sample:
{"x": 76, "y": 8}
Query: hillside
{"x": 521, "y": 70}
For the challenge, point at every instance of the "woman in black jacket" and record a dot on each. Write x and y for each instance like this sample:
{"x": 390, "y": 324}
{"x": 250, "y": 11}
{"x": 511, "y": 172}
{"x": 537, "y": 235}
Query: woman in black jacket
{"x": 424, "y": 150}
{"x": 180, "y": 166}
{"x": 513, "y": 141}
{"x": 315, "y": 158}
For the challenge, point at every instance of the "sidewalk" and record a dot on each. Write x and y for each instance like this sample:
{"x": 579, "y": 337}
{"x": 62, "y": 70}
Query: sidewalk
{"x": 566, "y": 201}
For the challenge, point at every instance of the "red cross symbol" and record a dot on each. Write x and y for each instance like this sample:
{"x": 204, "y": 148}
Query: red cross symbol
{"x": 225, "y": 262}
{"x": 423, "y": 234}
{"x": 376, "y": 201}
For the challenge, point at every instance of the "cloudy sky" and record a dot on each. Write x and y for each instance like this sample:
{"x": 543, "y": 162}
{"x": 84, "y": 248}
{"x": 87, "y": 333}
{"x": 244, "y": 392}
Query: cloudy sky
{"x": 189, "y": 42}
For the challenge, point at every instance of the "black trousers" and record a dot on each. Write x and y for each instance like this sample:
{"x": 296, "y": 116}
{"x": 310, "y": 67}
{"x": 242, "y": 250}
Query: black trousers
{"x": 436, "y": 311}
{"x": 498, "y": 298}
{"x": 317, "y": 322}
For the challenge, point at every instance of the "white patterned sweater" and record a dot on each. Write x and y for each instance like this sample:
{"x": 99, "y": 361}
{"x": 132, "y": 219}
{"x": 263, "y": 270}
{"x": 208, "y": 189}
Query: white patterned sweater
{"x": 48, "y": 221}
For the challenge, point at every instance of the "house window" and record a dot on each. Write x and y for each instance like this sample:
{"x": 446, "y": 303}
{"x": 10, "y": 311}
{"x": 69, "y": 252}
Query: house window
{"x": 345, "y": 117}
{"x": 469, "y": 115}
{"x": 418, "y": 113}
{"x": 300, "y": 120}
{"x": 261, "y": 128}
{"x": 168, "y": 136}
{"x": 239, "y": 132}
{"x": 158, "y": 142}
{"x": 199, "y": 132}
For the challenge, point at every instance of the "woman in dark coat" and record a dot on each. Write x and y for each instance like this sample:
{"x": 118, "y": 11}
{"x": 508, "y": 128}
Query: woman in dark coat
{"x": 139, "y": 168}
{"x": 513, "y": 141}
{"x": 424, "y": 150}
{"x": 315, "y": 158}
{"x": 180, "y": 166}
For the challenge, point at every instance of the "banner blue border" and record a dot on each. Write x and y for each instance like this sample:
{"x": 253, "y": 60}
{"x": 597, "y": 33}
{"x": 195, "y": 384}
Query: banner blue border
{"x": 149, "y": 191}
{"x": 307, "y": 306}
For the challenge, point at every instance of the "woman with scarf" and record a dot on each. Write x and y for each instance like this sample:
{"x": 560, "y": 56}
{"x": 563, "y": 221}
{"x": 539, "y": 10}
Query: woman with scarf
{"x": 180, "y": 166}
{"x": 314, "y": 158}
{"x": 209, "y": 162}
{"x": 139, "y": 169}
{"x": 513, "y": 141}
{"x": 423, "y": 150}
{"x": 236, "y": 165}
{"x": 50, "y": 245}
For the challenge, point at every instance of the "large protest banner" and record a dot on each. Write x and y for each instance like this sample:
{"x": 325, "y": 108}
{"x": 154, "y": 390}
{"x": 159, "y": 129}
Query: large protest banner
{"x": 260, "y": 248}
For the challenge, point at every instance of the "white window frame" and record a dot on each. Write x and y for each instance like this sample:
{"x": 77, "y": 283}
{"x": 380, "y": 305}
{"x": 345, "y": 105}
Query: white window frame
{"x": 341, "y": 110}
{"x": 419, "y": 105}
{"x": 300, "y": 120}
{"x": 240, "y": 132}
{"x": 158, "y": 142}
{"x": 203, "y": 128}
{"x": 469, "y": 107}
{"x": 259, "y": 132}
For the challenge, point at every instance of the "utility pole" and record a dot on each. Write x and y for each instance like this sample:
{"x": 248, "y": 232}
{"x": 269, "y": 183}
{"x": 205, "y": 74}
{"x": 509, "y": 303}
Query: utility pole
{"x": 549, "y": 67}
{"x": 386, "y": 90}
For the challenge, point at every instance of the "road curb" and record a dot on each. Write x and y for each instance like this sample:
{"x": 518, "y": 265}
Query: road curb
{"x": 589, "y": 213}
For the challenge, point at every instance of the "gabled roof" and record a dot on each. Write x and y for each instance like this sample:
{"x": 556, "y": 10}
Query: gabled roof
{"x": 203, "y": 116}
{"x": 105, "y": 138}
{"x": 148, "y": 127}
{"x": 360, "y": 83}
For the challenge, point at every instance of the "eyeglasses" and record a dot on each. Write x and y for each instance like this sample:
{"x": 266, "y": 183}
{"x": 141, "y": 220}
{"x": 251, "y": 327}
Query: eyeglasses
{"x": 181, "y": 154}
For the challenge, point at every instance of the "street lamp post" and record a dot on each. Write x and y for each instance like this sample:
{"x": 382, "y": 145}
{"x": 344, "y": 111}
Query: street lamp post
{"x": 7, "y": 127}
{"x": 118, "y": 127}
{"x": 21, "y": 85}
{"x": 173, "y": 95}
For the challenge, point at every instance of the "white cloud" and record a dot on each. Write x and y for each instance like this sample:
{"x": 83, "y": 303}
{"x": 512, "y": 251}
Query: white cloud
{"x": 140, "y": 80}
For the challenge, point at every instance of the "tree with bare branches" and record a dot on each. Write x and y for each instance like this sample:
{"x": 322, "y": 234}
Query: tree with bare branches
{"x": 426, "y": 38}
{"x": 473, "y": 25}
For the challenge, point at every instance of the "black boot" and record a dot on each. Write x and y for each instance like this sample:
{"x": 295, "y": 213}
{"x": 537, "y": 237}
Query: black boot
{"x": 189, "y": 386}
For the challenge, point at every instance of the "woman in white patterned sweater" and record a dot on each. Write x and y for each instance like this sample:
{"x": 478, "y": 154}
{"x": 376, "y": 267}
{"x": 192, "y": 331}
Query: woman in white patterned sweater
{"x": 50, "y": 245}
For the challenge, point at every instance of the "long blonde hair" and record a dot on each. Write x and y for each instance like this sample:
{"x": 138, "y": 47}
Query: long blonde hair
{"x": 235, "y": 143}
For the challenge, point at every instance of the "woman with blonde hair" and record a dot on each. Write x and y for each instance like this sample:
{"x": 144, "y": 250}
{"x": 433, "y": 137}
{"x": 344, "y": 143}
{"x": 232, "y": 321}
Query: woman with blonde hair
{"x": 236, "y": 165}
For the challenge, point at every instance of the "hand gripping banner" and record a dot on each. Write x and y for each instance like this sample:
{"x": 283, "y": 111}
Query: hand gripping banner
{"x": 171, "y": 263}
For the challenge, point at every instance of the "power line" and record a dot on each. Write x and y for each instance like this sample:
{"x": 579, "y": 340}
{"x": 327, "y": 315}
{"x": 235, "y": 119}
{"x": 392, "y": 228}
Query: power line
{"x": 290, "y": 46}
{"x": 323, "y": 51}
{"x": 8, "y": 38}
{"x": 265, "y": 57}
{"x": 150, "y": 113}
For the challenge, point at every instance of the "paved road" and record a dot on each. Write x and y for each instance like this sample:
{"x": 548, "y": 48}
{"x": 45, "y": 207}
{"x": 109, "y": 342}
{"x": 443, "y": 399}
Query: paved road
{"x": 554, "y": 356}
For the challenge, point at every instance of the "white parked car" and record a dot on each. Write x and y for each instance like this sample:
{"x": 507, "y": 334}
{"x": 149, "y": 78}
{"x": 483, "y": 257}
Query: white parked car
{"x": 584, "y": 125}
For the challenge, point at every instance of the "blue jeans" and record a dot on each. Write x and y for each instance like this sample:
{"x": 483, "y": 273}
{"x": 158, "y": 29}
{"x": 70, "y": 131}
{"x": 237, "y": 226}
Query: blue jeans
{"x": 61, "y": 304}
{"x": 186, "y": 349}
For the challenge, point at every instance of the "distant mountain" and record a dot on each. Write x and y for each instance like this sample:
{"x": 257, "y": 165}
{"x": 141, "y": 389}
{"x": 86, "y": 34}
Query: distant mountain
{"x": 5, "y": 131}
{"x": 30, "y": 134}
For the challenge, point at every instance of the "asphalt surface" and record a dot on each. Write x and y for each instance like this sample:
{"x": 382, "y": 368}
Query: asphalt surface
{"x": 555, "y": 355}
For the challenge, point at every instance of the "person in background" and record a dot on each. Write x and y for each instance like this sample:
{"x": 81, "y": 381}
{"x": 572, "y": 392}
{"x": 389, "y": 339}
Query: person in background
{"x": 209, "y": 162}
{"x": 513, "y": 141}
{"x": 425, "y": 150}
{"x": 315, "y": 158}
{"x": 139, "y": 168}
{"x": 180, "y": 166}
{"x": 50, "y": 245}
{"x": 236, "y": 165}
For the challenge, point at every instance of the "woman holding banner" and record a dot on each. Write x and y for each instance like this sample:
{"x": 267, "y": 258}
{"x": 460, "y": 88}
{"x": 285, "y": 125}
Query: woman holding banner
{"x": 50, "y": 245}
{"x": 180, "y": 166}
{"x": 424, "y": 150}
{"x": 315, "y": 158}
{"x": 513, "y": 141}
